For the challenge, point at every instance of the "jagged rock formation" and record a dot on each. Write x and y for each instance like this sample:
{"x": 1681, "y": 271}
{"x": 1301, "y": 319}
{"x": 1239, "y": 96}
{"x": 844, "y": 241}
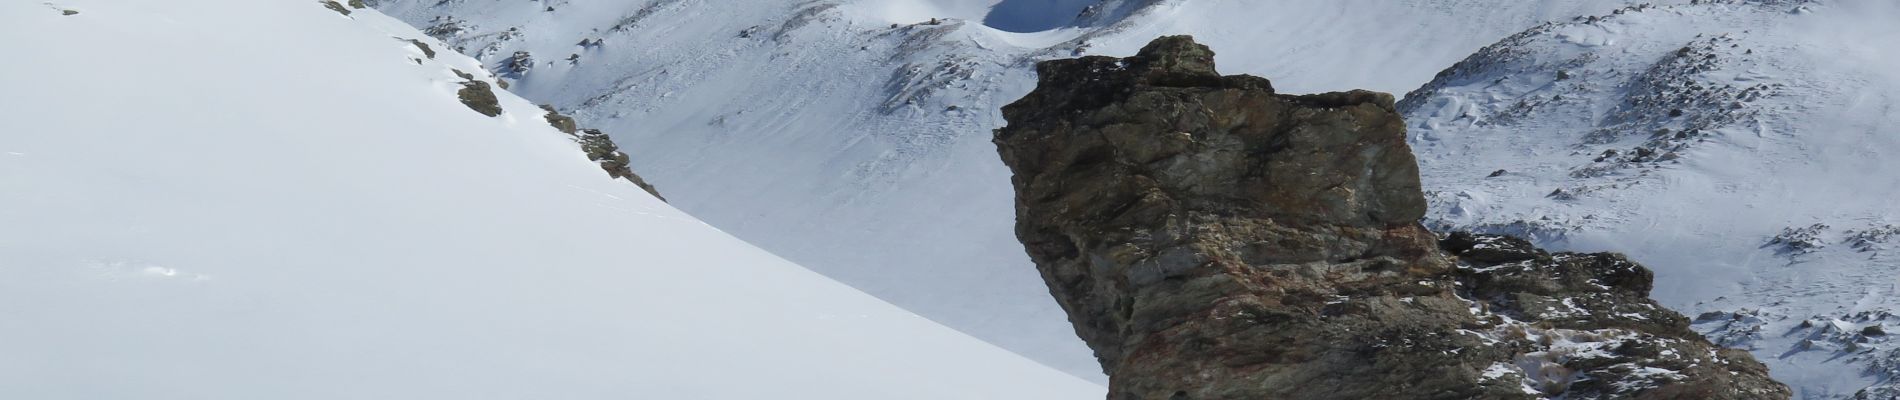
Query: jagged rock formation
{"x": 334, "y": 6}
{"x": 600, "y": 149}
{"x": 477, "y": 96}
{"x": 1211, "y": 239}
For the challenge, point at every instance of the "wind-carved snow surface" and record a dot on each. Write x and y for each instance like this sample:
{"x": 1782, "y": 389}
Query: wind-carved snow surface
{"x": 239, "y": 199}
{"x": 853, "y": 136}
{"x": 1744, "y": 150}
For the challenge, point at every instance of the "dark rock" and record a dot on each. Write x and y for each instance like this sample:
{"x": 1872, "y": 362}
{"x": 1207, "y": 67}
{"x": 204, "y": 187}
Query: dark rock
{"x": 68, "y": 12}
{"x": 559, "y": 121}
{"x": 518, "y": 65}
{"x": 477, "y": 95}
{"x": 334, "y": 6}
{"x": 426, "y": 51}
{"x": 358, "y": 4}
{"x": 1491, "y": 249}
{"x": 601, "y": 149}
{"x": 1211, "y": 239}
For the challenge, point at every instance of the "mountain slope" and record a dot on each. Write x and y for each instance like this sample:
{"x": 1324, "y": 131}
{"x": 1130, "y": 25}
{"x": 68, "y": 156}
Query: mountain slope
{"x": 1745, "y": 149}
{"x": 852, "y": 136}
{"x": 268, "y": 199}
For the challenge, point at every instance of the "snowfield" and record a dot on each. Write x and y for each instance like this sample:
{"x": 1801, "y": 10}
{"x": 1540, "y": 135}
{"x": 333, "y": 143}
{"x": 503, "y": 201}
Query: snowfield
{"x": 238, "y": 199}
{"x": 1745, "y": 151}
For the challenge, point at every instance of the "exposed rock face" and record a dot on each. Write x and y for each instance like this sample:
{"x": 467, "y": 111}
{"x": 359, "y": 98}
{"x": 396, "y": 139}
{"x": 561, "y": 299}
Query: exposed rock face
{"x": 599, "y": 148}
{"x": 334, "y": 6}
{"x": 1211, "y": 239}
{"x": 477, "y": 96}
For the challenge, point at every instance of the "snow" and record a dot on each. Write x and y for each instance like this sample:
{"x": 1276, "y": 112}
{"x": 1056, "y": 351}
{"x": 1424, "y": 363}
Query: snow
{"x": 204, "y": 199}
{"x": 1753, "y": 215}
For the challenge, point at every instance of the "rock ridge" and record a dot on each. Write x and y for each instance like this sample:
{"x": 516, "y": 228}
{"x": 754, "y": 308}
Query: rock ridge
{"x": 1213, "y": 239}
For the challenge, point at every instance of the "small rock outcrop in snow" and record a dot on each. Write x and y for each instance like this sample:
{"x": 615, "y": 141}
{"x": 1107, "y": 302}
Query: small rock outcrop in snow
{"x": 1212, "y": 239}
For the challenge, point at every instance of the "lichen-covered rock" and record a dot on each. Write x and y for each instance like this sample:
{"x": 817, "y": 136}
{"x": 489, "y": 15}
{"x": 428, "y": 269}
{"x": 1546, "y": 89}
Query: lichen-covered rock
{"x": 601, "y": 149}
{"x": 334, "y": 6}
{"x": 1212, "y": 239}
{"x": 426, "y": 50}
{"x": 559, "y": 121}
{"x": 478, "y": 96}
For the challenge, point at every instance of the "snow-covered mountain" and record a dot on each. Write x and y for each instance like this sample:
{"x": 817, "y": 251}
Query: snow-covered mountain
{"x": 240, "y": 199}
{"x": 1745, "y": 149}
{"x": 852, "y": 136}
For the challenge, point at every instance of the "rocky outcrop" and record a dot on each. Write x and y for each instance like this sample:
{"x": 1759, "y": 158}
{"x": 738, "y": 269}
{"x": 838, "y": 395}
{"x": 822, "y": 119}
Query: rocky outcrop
{"x": 1212, "y": 239}
{"x": 478, "y": 96}
{"x": 334, "y": 6}
{"x": 599, "y": 148}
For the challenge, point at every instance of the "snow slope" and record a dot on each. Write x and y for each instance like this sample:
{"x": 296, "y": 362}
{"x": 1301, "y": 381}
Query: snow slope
{"x": 1745, "y": 151}
{"x": 853, "y": 136}
{"x": 266, "y": 199}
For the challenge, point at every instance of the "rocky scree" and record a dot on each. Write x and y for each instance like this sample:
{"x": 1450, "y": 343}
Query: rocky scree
{"x": 477, "y": 95}
{"x": 599, "y": 148}
{"x": 1212, "y": 239}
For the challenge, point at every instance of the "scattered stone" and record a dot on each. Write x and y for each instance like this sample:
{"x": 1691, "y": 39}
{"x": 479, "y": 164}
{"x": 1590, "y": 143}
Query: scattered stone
{"x": 560, "y": 122}
{"x": 426, "y": 51}
{"x": 477, "y": 96}
{"x": 334, "y": 6}
{"x": 444, "y": 28}
{"x": 1872, "y": 239}
{"x": 1798, "y": 241}
{"x": 601, "y": 149}
{"x": 1491, "y": 249}
{"x": 518, "y": 65}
